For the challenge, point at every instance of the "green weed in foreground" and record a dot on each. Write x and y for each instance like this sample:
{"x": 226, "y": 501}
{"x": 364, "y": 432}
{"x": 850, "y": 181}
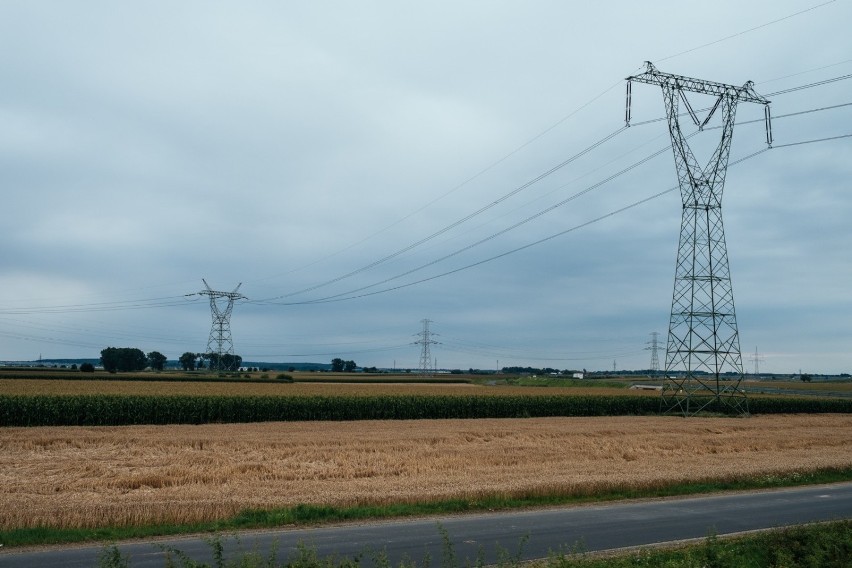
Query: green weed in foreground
{"x": 819, "y": 546}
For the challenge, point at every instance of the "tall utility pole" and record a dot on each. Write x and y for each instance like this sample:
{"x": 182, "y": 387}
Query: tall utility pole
{"x": 426, "y": 341}
{"x": 220, "y": 341}
{"x": 653, "y": 347}
{"x": 703, "y": 360}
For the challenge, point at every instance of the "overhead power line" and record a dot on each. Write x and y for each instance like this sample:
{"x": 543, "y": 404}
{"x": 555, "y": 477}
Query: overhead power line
{"x": 173, "y": 301}
{"x": 333, "y": 353}
{"x": 458, "y": 222}
{"x": 465, "y": 182}
{"x": 495, "y": 257}
{"x": 789, "y": 114}
{"x": 53, "y": 340}
{"x": 526, "y": 246}
{"x": 507, "y": 229}
{"x": 526, "y": 355}
{"x": 545, "y": 132}
{"x": 732, "y": 36}
{"x": 508, "y": 195}
{"x": 357, "y": 292}
{"x": 100, "y": 330}
{"x": 167, "y": 301}
{"x": 796, "y": 74}
{"x": 813, "y": 141}
{"x": 810, "y": 85}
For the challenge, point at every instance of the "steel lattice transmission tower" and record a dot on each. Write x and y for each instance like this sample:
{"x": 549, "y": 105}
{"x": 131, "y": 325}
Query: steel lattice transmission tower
{"x": 426, "y": 367}
{"x": 757, "y": 358}
{"x": 654, "y": 347}
{"x": 703, "y": 359}
{"x": 220, "y": 341}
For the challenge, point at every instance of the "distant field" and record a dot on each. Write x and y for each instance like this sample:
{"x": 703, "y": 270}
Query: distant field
{"x": 328, "y": 384}
{"x": 134, "y": 475}
{"x": 167, "y": 388}
{"x": 832, "y": 386}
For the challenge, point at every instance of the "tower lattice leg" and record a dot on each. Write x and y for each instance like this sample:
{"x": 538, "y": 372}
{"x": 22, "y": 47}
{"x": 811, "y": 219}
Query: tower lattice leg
{"x": 703, "y": 359}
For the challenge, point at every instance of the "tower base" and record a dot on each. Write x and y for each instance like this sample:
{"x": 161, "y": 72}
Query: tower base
{"x": 691, "y": 396}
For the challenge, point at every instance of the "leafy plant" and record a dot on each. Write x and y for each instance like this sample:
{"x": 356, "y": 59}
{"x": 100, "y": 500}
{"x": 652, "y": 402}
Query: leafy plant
{"x": 111, "y": 557}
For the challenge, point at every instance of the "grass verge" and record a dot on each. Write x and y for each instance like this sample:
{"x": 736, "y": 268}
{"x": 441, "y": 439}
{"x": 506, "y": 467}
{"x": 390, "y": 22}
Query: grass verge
{"x": 826, "y": 545}
{"x": 318, "y": 514}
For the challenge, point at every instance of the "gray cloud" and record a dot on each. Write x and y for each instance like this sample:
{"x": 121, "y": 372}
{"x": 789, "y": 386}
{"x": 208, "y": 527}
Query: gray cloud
{"x": 144, "y": 147}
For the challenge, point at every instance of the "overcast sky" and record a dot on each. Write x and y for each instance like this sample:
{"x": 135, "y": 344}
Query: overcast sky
{"x": 304, "y": 149}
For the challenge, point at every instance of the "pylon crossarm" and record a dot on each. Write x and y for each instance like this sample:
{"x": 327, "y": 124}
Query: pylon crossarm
{"x": 652, "y": 76}
{"x": 722, "y": 91}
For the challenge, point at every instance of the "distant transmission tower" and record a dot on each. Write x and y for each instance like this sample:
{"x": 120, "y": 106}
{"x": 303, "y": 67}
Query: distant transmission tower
{"x": 703, "y": 359}
{"x": 220, "y": 341}
{"x": 426, "y": 367}
{"x": 756, "y": 358}
{"x": 653, "y": 347}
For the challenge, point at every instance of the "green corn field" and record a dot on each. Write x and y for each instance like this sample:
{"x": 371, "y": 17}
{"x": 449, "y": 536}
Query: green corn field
{"x": 118, "y": 410}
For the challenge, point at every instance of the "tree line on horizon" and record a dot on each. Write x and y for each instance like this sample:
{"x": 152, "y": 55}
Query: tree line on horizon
{"x": 128, "y": 359}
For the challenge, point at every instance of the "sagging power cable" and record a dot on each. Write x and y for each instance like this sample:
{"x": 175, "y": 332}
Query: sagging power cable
{"x": 456, "y": 223}
{"x": 146, "y": 303}
{"x": 525, "y": 186}
{"x": 356, "y": 293}
{"x": 633, "y": 205}
{"x": 505, "y": 230}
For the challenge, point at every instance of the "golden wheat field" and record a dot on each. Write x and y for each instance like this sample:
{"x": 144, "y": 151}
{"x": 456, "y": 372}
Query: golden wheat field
{"x": 96, "y": 476}
{"x": 168, "y": 388}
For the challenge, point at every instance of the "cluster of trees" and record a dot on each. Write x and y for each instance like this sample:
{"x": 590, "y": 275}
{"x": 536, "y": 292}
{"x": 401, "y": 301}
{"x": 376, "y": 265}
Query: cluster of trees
{"x": 536, "y": 371}
{"x": 338, "y": 365}
{"x": 191, "y": 361}
{"x": 227, "y": 362}
{"x": 124, "y": 359}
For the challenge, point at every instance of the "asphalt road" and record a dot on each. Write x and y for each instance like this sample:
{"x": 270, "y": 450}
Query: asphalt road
{"x": 598, "y": 527}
